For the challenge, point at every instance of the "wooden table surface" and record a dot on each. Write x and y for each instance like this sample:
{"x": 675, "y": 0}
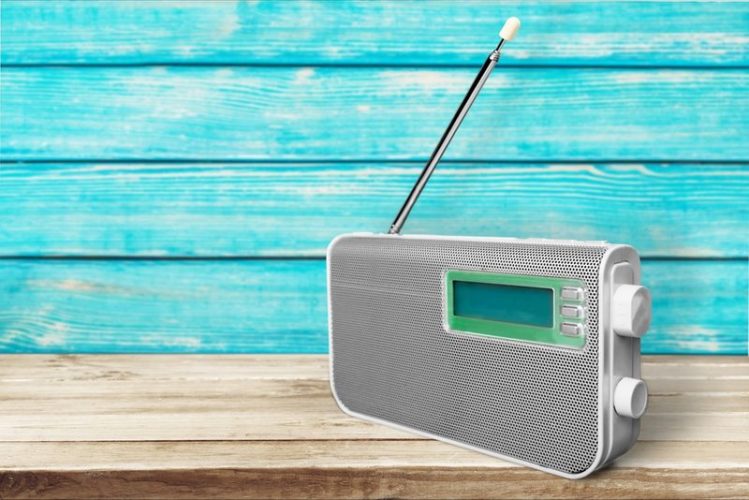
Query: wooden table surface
{"x": 267, "y": 426}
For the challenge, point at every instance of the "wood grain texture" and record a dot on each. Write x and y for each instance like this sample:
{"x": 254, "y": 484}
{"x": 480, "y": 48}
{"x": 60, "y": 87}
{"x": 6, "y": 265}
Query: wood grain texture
{"x": 242, "y": 427}
{"x": 318, "y": 454}
{"x": 297, "y": 209}
{"x": 361, "y": 113}
{"x": 280, "y": 306}
{"x": 202, "y": 409}
{"x": 325, "y": 100}
{"x": 701, "y": 371}
{"x": 373, "y": 33}
{"x": 381, "y": 482}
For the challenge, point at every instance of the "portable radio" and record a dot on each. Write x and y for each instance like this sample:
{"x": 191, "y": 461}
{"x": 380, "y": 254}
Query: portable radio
{"x": 525, "y": 349}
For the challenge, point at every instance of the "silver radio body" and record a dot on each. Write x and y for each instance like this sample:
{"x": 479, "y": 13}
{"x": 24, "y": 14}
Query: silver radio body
{"x": 528, "y": 350}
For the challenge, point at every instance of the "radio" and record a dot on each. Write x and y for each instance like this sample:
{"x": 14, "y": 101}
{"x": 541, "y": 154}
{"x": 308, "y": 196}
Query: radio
{"x": 525, "y": 349}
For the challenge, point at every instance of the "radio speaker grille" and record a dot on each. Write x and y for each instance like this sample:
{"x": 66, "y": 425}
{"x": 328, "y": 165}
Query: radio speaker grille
{"x": 394, "y": 360}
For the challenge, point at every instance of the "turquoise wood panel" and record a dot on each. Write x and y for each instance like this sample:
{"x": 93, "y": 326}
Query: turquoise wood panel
{"x": 217, "y": 209}
{"x": 334, "y": 105}
{"x": 280, "y": 306}
{"x": 367, "y": 113}
{"x": 393, "y": 33}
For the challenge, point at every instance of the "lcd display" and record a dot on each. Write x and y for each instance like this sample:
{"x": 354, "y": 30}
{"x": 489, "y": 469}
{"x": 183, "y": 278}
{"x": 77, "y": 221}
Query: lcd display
{"x": 507, "y": 303}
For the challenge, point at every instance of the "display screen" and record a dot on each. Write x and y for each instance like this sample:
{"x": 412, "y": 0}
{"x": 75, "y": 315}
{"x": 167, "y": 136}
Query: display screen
{"x": 507, "y": 303}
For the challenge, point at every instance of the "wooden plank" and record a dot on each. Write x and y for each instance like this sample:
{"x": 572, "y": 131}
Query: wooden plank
{"x": 53, "y": 400}
{"x": 238, "y": 306}
{"x": 384, "y": 33}
{"x": 120, "y": 396}
{"x": 241, "y": 460}
{"x": 266, "y": 454}
{"x": 380, "y": 482}
{"x": 46, "y": 368}
{"x": 238, "y": 209}
{"x": 163, "y": 306}
{"x": 266, "y": 113}
{"x": 677, "y": 308}
{"x": 679, "y": 367}
{"x": 252, "y": 469}
{"x": 289, "y": 410}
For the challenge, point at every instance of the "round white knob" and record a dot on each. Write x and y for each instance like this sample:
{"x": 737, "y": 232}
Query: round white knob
{"x": 632, "y": 311}
{"x": 631, "y": 397}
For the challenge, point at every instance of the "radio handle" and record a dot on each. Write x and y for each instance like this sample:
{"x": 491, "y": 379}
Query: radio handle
{"x": 507, "y": 33}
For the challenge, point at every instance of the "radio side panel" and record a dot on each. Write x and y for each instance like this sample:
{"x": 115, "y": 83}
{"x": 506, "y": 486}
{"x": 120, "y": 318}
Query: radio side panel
{"x": 621, "y": 357}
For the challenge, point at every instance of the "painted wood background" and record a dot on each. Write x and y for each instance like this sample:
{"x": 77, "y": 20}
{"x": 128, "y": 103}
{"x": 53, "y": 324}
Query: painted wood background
{"x": 172, "y": 171}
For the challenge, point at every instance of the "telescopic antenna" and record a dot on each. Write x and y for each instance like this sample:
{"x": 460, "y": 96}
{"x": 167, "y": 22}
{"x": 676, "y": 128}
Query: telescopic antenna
{"x": 506, "y": 34}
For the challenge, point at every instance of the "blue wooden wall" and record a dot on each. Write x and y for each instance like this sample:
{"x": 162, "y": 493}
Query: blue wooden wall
{"x": 172, "y": 171}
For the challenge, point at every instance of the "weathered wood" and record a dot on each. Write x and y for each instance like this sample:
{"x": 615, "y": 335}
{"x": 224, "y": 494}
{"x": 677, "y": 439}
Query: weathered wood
{"x": 209, "y": 397}
{"x": 381, "y": 482}
{"x": 365, "y": 453}
{"x": 191, "y": 367}
{"x": 238, "y": 306}
{"x": 256, "y": 410}
{"x": 44, "y": 368}
{"x": 338, "y": 468}
{"x": 666, "y": 397}
{"x": 384, "y": 33}
{"x": 163, "y": 306}
{"x": 266, "y": 113}
{"x": 297, "y": 209}
{"x": 364, "y": 104}
{"x": 234, "y": 306}
{"x": 304, "y": 448}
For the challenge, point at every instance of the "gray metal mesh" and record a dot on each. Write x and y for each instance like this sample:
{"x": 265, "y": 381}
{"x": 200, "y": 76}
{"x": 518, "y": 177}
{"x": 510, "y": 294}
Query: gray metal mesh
{"x": 393, "y": 359}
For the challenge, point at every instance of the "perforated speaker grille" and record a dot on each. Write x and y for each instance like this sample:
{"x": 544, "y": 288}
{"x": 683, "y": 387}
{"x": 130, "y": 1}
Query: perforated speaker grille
{"x": 394, "y": 360}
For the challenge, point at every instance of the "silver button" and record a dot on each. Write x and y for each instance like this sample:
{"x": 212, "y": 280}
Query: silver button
{"x": 571, "y": 329}
{"x": 572, "y": 293}
{"x": 572, "y": 311}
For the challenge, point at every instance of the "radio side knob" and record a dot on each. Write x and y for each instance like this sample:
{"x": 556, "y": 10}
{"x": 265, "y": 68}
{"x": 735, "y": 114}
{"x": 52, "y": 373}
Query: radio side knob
{"x": 632, "y": 311}
{"x": 631, "y": 397}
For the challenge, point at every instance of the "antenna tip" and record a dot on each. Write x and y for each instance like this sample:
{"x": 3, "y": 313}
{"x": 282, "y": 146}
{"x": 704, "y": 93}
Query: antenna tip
{"x": 510, "y": 29}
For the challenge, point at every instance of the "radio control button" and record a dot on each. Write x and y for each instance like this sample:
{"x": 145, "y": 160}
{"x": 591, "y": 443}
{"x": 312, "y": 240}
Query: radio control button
{"x": 631, "y": 311}
{"x": 631, "y": 397}
{"x": 571, "y": 329}
{"x": 572, "y": 311}
{"x": 572, "y": 293}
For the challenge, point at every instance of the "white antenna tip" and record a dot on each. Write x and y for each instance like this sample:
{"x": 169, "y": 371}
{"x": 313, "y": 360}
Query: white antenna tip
{"x": 510, "y": 29}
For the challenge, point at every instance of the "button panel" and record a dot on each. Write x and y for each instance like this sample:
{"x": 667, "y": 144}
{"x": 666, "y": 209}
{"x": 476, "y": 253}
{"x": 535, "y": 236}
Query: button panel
{"x": 572, "y": 311}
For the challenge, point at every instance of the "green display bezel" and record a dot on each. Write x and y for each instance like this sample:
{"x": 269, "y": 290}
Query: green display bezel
{"x": 514, "y": 331}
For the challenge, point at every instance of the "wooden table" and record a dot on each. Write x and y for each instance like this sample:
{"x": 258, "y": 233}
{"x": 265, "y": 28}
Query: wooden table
{"x": 267, "y": 426}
